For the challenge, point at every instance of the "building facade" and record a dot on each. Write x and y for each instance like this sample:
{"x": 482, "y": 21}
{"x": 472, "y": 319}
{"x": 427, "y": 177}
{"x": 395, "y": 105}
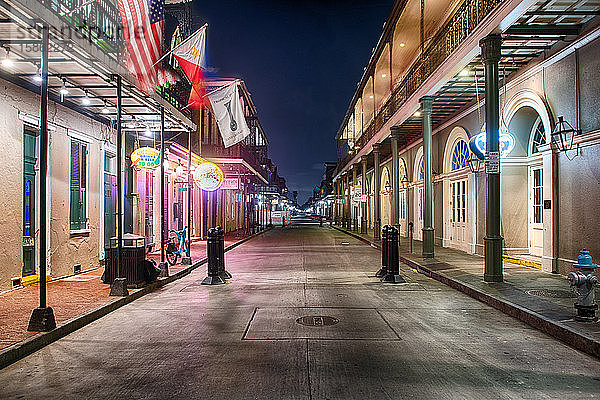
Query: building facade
{"x": 546, "y": 60}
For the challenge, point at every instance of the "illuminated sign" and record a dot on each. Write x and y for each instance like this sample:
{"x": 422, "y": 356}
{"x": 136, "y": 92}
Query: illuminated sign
{"x": 477, "y": 143}
{"x": 208, "y": 176}
{"x": 231, "y": 184}
{"x": 146, "y": 157}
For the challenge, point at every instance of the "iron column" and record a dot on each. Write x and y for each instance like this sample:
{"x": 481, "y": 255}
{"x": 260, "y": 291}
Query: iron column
{"x": 490, "y": 55}
{"x": 354, "y": 208}
{"x": 187, "y": 260}
{"x": 395, "y": 130}
{"x": 347, "y": 205}
{"x": 119, "y": 179}
{"x": 376, "y": 184}
{"x": 428, "y": 232}
{"x": 164, "y": 268}
{"x": 363, "y": 219}
{"x": 42, "y": 318}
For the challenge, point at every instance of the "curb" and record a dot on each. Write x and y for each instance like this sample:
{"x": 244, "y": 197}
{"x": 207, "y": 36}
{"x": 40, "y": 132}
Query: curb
{"x": 17, "y": 351}
{"x": 555, "y": 329}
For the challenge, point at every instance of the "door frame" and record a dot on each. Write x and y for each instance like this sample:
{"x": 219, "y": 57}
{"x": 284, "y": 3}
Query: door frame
{"x": 110, "y": 150}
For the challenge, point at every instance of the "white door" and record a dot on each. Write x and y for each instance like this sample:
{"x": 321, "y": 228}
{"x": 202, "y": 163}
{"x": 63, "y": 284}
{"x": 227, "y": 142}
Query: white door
{"x": 419, "y": 201}
{"x": 536, "y": 211}
{"x": 458, "y": 213}
{"x": 402, "y": 211}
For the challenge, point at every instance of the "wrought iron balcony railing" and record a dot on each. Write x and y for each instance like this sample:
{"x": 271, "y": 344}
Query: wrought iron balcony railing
{"x": 98, "y": 21}
{"x": 236, "y": 151}
{"x": 464, "y": 21}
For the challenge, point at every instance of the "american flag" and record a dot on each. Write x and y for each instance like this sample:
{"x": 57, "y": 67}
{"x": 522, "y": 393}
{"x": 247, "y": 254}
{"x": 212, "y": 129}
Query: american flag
{"x": 143, "y": 28}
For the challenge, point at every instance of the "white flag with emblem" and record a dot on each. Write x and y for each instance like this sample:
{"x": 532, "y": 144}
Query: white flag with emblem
{"x": 229, "y": 114}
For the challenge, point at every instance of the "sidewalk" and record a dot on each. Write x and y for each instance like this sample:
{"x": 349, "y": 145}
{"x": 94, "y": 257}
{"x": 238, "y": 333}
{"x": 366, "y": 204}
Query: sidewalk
{"x": 73, "y": 296}
{"x": 540, "y": 299}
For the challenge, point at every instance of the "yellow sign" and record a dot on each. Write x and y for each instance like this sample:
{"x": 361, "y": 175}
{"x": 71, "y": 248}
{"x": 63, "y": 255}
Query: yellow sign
{"x": 208, "y": 176}
{"x": 146, "y": 157}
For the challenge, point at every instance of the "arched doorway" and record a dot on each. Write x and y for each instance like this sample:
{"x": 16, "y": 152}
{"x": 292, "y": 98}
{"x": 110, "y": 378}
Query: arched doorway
{"x": 385, "y": 197}
{"x": 522, "y": 178}
{"x": 457, "y": 192}
{"x": 418, "y": 175}
{"x": 402, "y": 193}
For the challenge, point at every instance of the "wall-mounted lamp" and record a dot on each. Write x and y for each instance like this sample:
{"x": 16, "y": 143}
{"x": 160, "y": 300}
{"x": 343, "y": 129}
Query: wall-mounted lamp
{"x": 563, "y": 134}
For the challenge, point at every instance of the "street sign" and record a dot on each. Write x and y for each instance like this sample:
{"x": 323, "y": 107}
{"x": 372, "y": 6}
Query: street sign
{"x": 182, "y": 189}
{"x": 231, "y": 184}
{"x": 492, "y": 162}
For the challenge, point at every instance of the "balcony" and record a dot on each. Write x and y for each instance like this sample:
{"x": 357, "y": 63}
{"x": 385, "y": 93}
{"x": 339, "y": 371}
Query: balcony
{"x": 462, "y": 23}
{"x": 98, "y": 21}
{"x": 237, "y": 151}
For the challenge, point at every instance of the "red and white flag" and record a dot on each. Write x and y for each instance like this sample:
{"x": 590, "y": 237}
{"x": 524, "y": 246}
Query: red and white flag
{"x": 143, "y": 30}
{"x": 191, "y": 55}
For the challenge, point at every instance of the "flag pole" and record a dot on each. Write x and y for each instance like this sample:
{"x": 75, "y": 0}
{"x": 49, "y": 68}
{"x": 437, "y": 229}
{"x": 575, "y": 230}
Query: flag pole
{"x": 180, "y": 44}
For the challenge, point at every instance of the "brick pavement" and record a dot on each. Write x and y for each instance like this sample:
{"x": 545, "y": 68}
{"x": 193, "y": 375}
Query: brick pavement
{"x": 71, "y": 296}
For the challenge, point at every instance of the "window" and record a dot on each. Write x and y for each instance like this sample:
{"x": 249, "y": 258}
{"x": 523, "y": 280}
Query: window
{"x": 538, "y": 203}
{"x": 458, "y": 191}
{"x": 77, "y": 216}
{"x": 421, "y": 172}
{"x": 539, "y": 136}
{"x": 402, "y": 202}
{"x": 460, "y": 154}
{"x": 421, "y": 204}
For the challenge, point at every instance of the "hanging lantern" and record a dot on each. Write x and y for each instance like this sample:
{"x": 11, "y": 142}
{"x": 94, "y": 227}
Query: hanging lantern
{"x": 208, "y": 176}
{"x": 563, "y": 134}
{"x": 179, "y": 170}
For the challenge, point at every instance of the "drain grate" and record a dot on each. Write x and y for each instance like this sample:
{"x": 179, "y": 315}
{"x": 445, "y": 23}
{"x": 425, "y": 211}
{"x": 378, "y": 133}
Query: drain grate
{"x": 317, "y": 320}
{"x": 552, "y": 293}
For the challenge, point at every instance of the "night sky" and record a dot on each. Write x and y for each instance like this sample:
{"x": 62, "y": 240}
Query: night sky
{"x": 301, "y": 61}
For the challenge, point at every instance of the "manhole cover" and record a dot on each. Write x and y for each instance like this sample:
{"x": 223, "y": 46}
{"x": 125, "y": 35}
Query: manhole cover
{"x": 556, "y": 294}
{"x": 317, "y": 320}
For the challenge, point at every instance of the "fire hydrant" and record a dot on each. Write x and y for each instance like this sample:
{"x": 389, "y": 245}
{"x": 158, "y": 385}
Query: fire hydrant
{"x": 584, "y": 281}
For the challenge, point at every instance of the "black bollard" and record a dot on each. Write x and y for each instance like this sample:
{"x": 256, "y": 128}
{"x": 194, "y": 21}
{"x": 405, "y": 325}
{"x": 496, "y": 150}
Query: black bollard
{"x": 384, "y": 251}
{"x": 393, "y": 266}
{"x": 223, "y": 273}
{"x": 212, "y": 250}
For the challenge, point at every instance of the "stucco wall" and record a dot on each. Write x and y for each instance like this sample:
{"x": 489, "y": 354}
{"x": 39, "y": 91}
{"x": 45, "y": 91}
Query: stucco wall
{"x": 66, "y": 249}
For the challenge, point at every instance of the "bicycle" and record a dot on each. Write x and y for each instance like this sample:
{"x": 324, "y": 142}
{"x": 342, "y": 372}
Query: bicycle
{"x": 176, "y": 245}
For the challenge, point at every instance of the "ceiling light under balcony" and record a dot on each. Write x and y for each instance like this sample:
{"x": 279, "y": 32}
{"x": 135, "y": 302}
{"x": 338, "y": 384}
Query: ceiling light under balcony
{"x": 86, "y": 100}
{"x": 417, "y": 114}
{"x": 383, "y": 75}
{"x": 7, "y": 61}
{"x": 402, "y": 44}
{"x": 148, "y": 132}
{"x": 105, "y": 109}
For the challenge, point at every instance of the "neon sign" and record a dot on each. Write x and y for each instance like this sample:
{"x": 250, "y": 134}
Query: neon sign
{"x": 146, "y": 157}
{"x": 477, "y": 143}
{"x": 208, "y": 176}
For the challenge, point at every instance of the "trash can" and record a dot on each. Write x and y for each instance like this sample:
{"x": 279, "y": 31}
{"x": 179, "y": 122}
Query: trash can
{"x": 133, "y": 252}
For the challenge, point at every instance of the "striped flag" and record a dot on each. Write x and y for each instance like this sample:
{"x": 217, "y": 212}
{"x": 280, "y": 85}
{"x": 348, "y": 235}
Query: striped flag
{"x": 143, "y": 28}
{"x": 191, "y": 56}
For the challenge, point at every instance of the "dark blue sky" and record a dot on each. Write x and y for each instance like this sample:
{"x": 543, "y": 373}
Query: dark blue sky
{"x": 301, "y": 61}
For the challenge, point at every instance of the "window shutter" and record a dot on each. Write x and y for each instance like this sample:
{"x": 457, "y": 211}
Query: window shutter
{"x": 74, "y": 214}
{"x": 83, "y": 186}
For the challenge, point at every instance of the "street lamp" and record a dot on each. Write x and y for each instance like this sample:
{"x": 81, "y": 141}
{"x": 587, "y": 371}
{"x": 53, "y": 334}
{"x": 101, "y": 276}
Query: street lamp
{"x": 563, "y": 134}
{"x": 476, "y": 164}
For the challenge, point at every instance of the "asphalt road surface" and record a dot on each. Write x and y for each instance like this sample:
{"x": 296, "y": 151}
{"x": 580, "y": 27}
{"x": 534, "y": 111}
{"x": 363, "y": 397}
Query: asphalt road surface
{"x": 242, "y": 340}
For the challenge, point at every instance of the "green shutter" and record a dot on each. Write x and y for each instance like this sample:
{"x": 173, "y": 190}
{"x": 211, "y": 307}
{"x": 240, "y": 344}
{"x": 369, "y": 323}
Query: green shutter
{"x": 83, "y": 186}
{"x": 74, "y": 187}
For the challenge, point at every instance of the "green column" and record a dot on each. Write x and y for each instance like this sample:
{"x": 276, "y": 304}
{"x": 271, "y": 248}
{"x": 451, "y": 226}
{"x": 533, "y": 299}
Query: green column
{"x": 428, "y": 232}
{"x": 490, "y": 55}
{"x": 363, "y": 205}
{"x": 347, "y": 204}
{"x": 395, "y": 175}
{"x": 376, "y": 185}
{"x": 353, "y": 209}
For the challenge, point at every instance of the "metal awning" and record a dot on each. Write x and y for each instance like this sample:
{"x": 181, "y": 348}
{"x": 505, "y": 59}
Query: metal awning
{"x": 80, "y": 72}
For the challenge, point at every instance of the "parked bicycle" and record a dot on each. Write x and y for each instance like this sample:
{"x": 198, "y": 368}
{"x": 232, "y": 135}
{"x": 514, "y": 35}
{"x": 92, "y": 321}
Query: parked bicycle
{"x": 176, "y": 245}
